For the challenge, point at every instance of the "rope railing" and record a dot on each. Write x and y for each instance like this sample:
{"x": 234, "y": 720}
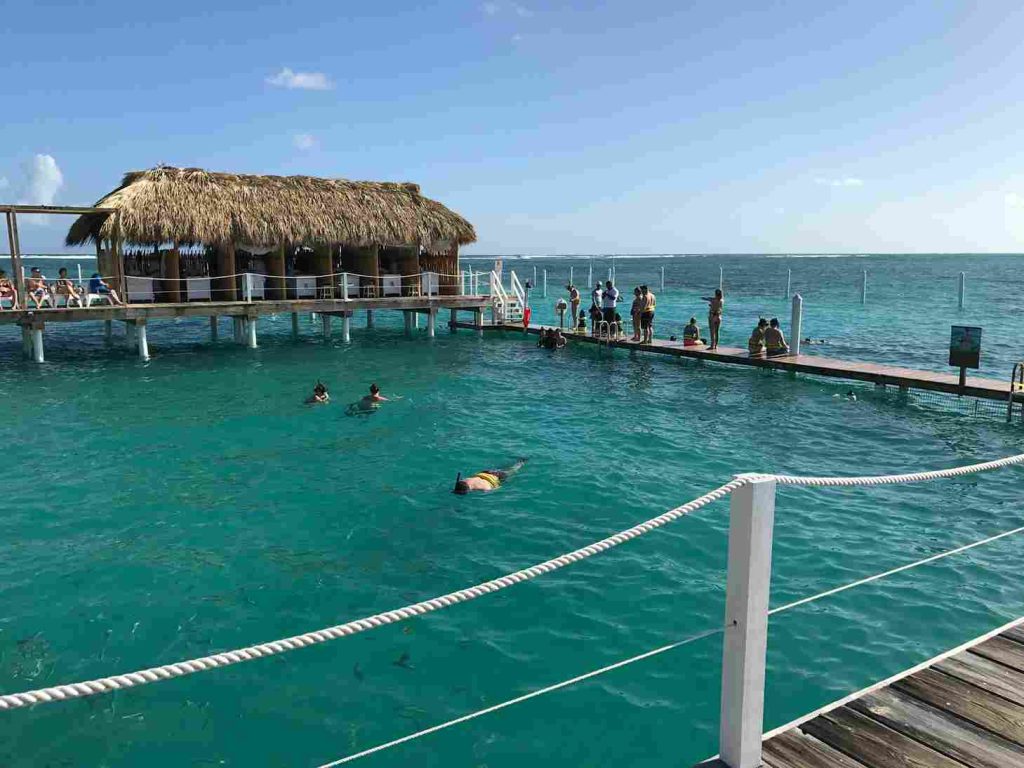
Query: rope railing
{"x": 228, "y": 658}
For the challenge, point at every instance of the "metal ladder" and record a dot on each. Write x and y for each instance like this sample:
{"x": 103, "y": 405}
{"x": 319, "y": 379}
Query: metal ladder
{"x": 1016, "y": 386}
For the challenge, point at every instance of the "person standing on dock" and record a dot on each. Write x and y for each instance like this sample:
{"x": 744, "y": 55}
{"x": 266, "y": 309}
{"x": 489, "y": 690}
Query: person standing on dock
{"x": 716, "y": 304}
{"x": 609, "y": 299}
{"x": 574, "y": 300}
{"x": 647, "y": 313}
{"x": 595, "y": 296}
{"x": 634, "y": 312}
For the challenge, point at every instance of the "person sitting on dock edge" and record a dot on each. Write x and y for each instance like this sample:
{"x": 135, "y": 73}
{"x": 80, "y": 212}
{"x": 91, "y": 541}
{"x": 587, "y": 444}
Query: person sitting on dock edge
{"x": 755, "y": 344}
{"x": 691, "y": 333}
{"x": 7, "y": 290}
{"x": 64, "y": 287}
{"x": 100, "y": 287}
{"x": 37, "y": 288}
{"x": 486, "y": 481}
{"x": 774, "y": 339}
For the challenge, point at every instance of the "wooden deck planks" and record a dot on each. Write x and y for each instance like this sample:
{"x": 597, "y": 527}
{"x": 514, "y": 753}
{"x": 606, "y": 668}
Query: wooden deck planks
{"x": 815, "y": 365}
{"x": 963, "y": 711}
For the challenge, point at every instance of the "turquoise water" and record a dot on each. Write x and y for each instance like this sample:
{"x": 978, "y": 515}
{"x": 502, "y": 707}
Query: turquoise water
{"x": 162, "y": 511}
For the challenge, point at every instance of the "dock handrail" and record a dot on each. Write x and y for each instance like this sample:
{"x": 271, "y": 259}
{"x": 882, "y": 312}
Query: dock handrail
{"x": 751, "y": 522}
{"x": 517, "y": 288}
{"x": 1016, "y": 385}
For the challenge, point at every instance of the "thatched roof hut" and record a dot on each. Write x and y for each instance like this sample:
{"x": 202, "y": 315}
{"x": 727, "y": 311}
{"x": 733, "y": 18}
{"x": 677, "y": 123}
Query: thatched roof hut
{"x": 192, "y": 206}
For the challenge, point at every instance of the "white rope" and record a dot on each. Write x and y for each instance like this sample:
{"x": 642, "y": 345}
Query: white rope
{"x": 913, "y": 477}
{"x": 907, "y": 567}
{"x": 525, "y": 697}
{"x": 182, "y": 668}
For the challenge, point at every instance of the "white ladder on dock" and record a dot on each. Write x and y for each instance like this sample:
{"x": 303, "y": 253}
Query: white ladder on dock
{"x": 507, "y": 306}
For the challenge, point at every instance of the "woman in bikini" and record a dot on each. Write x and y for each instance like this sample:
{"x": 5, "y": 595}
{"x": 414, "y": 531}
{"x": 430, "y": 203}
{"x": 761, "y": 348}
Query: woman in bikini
{"x": 634, "y": 313}
{"x": 715, "y": 305}
{"x": 7, "y": 290}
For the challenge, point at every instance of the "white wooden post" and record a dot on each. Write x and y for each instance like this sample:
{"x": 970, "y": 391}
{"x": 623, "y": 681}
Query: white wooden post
{"x": 961, "y": 290}
{"x": 864, "y": 288}
{"x": 37, "y": 344}
{"x": 545, "y": 283}
{"x": 590, "y": 276}
{"x": 535, "y": 277}
{"x": 751, "y": 517}
{"x": 662, "y": 278}
{"x": 140, "y": 329}
{"x": 80, "y": 273}
{"x": 789, "y": 282}
{"x": 431, "y": 323}
{"x": 346, "y": 328}
{"x": 795, "y": 323}
{"x": 344, "y": 286}
{"x": 251, "y": 333}
{"x": 570, "y": 275}
{"x": 248, "y": 287}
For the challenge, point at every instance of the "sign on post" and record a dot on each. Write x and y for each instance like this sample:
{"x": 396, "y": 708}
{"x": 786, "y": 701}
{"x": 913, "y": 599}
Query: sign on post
{"x": 965, "y": 349}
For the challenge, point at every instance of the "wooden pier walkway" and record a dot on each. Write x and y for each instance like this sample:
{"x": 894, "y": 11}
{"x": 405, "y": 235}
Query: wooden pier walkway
{"x": 964, "y": 710}
{"x": 904, "y": 378}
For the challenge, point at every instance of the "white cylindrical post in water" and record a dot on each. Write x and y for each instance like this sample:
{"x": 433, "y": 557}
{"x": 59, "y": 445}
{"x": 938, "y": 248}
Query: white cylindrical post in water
{"x": 295, "y": 324}
{"x": 545, "y": 283}
{"x": 721, "y": 279}
{"x": 570, "y": 274}
{"x": 79, "y": 273}
{"x": 535, "y": 276}
{"x": 961, "y": 290}
{"x": 864, "y": 288}
{"x": 662, "y": 278}
{"x": 590, "y": 276}
{"x": 346, "y": 327}
{"x": 431, "y": 323}
{"x": 795, "y": 324}
{"x": 344, "y": 286}
{"x": 143, "y": 342}
{"x": 37, "y": 345}
{"x": 789, "y": 282}
{"x": 250, "y": 328}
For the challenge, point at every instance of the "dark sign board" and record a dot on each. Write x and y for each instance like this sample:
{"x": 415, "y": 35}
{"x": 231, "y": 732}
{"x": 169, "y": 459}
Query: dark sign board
{"x": 965, "y": 346}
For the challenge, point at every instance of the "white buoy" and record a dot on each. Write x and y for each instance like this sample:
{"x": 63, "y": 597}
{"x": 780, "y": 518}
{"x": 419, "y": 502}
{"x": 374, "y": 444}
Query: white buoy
{"x": 796, "y": 324}
{"x": 789, "y": 282}
{"x": 864, "y": 288}
{"x": 961, "y": 290}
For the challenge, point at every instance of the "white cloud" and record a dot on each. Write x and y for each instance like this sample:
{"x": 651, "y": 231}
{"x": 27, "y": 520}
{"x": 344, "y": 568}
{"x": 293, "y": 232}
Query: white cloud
{"x": 522, "y": 11}
{"x": 1013, "y": 200}
{"x": 846, "y": 181}
{"x": 492, "y": 8}
{"x": 305, "y": 141}
{"x": 43, "y": 180}
{"x": 306, "y": 81}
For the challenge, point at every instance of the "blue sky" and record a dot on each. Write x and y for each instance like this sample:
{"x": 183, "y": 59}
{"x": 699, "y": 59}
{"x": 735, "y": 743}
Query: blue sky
{"x": 556, "y": 127}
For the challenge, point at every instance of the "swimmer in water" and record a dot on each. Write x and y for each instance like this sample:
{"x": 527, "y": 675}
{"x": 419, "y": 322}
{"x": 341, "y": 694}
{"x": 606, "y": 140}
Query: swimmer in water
{"x": 320, "y": 395}
{"x": 486, "y": 481}
{"x": 368, "y": 403}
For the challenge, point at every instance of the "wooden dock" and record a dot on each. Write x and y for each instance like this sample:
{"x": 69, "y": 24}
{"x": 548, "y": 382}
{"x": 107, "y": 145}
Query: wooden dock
{"x": 961, "y": 710}
{"x": 903, "y": 378}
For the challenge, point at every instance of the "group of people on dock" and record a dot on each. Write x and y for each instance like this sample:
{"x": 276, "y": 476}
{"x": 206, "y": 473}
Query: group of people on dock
{"x": 767, "y": 339}
{"x": 39, "y": 291}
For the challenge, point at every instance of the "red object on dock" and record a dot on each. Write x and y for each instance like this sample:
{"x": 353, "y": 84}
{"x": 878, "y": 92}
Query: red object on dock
{"x": 526, "y": 317}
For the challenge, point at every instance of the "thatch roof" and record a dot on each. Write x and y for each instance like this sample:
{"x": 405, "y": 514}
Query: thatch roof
{"x": 190, "y": 205}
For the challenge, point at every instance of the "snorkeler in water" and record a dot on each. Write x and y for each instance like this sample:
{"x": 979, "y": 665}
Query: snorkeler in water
{"x": 368, "y": 403}
{"x": 320, "y": 395}
{"x": 486, "y": 481}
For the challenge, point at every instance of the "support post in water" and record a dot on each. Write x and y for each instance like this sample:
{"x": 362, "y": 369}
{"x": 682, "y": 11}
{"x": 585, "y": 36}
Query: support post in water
{"x": 213, "y": 328}
{"x": 795, "y": 324}
{"x": 250, "y": 328}
{"x": 325, "y": 321}
{"x": 721, "y": 279}
{"x": 789, "y": 283}
{"x": 37, "y": 343}
{"x": 408, "y": 322}
{"x": 570, "y": 274}
{"x": 864, "y": 288}
{"x": 143, "y": 340}
{"x": 751, "y": 518}
{"x": 369, "y": 318}
{"x": 431, "y": 322}
{"x": 590, "y": 276}
{"x": 236, "y": 328}
{"x": 295, "y": 324}
{"x": 129, "y": 333}
{"x": 961, "y": 290}
{"x": 108, "y": 330}
{"x": 663, "y": 279}
{"x": 478, "y": 321}
{"x": 26, "y": 341}
{"x": 346, "y": 328}
{"x": 452, "y": 319}
{"x": 545, "y": 283}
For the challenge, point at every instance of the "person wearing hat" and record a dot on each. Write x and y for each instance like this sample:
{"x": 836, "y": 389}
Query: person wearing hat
{"x": 486, "y": 481}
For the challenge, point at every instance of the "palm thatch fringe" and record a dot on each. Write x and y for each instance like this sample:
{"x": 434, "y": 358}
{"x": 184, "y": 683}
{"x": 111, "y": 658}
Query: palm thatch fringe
{"x": 191, "y": 206}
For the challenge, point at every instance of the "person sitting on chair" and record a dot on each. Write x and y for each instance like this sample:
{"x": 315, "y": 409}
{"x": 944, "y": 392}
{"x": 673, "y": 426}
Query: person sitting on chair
{"x": 99, "y": 286}
{"x": 37, "y": 288}
{"x": 7, "y": 290}
{"x": 64, "y": 287}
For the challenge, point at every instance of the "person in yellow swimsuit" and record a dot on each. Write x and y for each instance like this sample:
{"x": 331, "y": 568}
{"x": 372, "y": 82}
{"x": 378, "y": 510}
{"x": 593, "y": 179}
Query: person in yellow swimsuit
{"x": 486, "y": 481}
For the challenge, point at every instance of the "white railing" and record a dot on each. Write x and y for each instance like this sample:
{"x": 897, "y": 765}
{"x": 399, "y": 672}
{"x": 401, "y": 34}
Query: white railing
{"x": 517, "y": 289}
{"x": 745, "y": 627}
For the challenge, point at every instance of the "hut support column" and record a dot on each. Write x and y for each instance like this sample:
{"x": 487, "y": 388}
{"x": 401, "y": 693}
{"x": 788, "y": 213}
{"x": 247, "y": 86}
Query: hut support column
{"x": 129, "y": 333}
{"x": 369, "y": 318}
{"x": 26, "y": 341}
{"x": 236, "y": 322}
{"x": 275, "y": 277}
{"x": 453, "y": 319}
{"x": 251, "y": 332}
{"x": 108, "y": 330}
{"x": 172, "y": 275}
{"x": 432, "y": 323}
{"x": 326, "y": 321}
{"x": 140, "y": 332}
{"x": 37, "y": 343}
{"x": 224, "y": 287}
{"x": 346, "y": 327}
{"x": 295, "y": 324}
{"x": 478, "y": 321}
{"x": 408, "y": 322}
{"x": 213, "y": 327}
{"x": 15, "y": 246}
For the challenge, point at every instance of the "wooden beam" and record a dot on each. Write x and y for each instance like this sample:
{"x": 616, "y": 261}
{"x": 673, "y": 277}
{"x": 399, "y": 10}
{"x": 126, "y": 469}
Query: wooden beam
{"x": 172, "y": 274}
{"x": 12, "y": 238}
{"x": 56, "y": 209}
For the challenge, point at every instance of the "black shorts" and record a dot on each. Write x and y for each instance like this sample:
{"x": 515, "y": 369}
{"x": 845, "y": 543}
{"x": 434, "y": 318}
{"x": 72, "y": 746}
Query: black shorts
{"x": 646, "y": 320}
{"x": 609, "y": 315}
